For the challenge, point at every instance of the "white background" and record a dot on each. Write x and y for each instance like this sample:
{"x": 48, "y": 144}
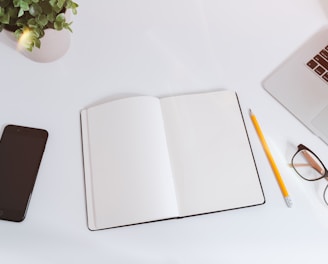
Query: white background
{"x": 165, "y": 48}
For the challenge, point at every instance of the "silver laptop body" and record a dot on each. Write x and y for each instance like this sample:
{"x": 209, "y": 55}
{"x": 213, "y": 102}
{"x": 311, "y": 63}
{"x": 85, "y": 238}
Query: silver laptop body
{"x": 300, "y": 84}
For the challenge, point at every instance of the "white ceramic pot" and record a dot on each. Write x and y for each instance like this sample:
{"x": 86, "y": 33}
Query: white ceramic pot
{"x": 54, "y": 45}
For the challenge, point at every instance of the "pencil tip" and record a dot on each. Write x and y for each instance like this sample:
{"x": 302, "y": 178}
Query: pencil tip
{"x": 288, "y": 201}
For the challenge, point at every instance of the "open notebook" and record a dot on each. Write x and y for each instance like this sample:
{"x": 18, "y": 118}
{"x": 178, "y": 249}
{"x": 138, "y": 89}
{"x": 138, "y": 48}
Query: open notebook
{"x": 149, "y": 159}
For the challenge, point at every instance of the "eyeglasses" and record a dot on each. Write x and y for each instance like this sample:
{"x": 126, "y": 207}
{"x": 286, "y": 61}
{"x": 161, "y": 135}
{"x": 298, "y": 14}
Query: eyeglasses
{"x": 309, "y": 167}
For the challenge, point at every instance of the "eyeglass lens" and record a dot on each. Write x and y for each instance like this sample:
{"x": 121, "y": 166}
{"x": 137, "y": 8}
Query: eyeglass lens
{"x": 308, "y": 166}
{"x": 325, "y": 194}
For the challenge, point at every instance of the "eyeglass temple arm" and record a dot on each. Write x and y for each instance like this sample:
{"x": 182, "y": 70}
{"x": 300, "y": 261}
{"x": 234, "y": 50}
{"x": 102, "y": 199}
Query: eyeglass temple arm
{"x": 313, "y": 162}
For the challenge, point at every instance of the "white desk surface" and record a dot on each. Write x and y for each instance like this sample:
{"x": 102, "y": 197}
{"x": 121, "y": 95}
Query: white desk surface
{"x": 165, "y": 48}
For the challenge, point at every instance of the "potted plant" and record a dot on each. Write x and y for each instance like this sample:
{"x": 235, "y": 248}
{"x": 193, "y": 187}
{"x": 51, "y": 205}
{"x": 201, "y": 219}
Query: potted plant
{"x": 28, "y": 19}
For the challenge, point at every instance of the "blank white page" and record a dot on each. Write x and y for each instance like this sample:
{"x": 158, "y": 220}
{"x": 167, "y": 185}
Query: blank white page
{"x": 211, "y": 159}
{"x": 127, "y": 169}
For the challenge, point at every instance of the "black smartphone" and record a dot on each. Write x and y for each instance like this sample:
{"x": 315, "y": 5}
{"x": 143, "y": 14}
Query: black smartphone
{"x": 21, "y": 151}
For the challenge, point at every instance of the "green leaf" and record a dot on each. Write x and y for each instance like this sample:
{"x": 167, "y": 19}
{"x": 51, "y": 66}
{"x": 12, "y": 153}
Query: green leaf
{"x": 5, "y": 19}
{"x": 68, "y": 26}
{"x": 60, "y": 17}
{"x": 18, "y": 33}
{"x": 35, "y": 10}
{"x": 74, "y": 8}
{"x": 61, "y": 3}
{"x": 37, "y": 43}
{"x": 32, "y": 23}
{"x": 42, "y": 20}
{"x": 58, "y": 25}
{"x": 25, "y": 6}
{"x": 16, "y": 3}
{"x": 51, "y": 17}
{"x": 52, "y": 2}
{"x": 72, "y": 5}
{"x": 21, "y": 12}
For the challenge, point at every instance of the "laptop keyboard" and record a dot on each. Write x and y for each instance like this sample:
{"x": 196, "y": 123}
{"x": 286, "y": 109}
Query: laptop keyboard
{"x": 319, "y": 64}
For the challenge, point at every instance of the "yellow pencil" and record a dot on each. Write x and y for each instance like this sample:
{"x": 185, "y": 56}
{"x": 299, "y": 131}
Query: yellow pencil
{"x": 270, "y": 158}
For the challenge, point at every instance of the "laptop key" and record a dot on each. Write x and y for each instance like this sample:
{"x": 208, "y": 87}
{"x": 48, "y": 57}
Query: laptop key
{"x": 321, "y": 61}
{"x": 319, "y": 64}
{"x": 319, "y": 70}
{"x": 312, "y": 64}
{"x": 325, "y": 76}
{"x": 324, "y": 54}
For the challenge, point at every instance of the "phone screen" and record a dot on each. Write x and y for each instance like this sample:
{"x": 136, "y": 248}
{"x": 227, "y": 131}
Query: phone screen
{"x": 21, "y": 151}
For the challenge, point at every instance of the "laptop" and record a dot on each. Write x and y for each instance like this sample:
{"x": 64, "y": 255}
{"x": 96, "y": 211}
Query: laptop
{"x": 300, "y": 84}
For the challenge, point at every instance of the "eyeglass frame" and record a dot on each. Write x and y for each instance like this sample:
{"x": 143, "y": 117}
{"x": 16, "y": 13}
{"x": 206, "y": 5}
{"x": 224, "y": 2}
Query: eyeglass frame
{"x": 300, "y": 148}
